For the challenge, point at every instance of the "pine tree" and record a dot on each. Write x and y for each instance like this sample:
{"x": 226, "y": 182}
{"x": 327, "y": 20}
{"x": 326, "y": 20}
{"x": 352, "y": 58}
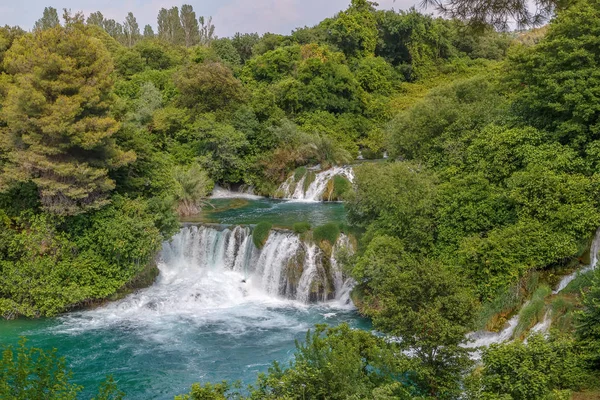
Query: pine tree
{"x": 190, "y": 26}
{"x": 55, "y": 123}
{"x": 49, "y": 19}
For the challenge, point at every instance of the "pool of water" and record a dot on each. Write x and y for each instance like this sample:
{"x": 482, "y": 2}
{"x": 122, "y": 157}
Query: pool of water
{"x": 195, "y": 324}
{"x": 155, "y": 355}
{"x": 280, "y": 213}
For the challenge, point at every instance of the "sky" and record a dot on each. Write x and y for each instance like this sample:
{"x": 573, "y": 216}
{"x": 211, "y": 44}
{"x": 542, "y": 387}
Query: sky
{"x": 229, "y": 16}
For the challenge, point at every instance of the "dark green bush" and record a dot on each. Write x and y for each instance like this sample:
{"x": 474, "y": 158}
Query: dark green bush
{"x": 260, "y": 234}
{"x": 328, "y": 232}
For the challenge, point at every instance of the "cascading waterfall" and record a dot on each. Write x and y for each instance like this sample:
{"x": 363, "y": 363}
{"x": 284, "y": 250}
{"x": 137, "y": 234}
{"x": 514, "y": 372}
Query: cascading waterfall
{"x": 285, "y": 267}
{"x": 315, "y": 191}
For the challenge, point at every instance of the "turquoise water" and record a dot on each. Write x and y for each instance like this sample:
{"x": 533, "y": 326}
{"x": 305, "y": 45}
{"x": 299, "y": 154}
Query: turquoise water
{"x": 281, "y": 213}
{"x": 157, "y": 357}
{"x": 193, "y": 325}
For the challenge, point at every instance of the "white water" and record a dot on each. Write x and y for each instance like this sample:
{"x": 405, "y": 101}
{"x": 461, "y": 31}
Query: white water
{"x": 244, "y": 193}
{"x": 285, "y": 268}
{"x": 293, "y": 190}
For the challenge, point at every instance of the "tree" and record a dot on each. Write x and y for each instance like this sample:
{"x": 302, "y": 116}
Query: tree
{"x": 539, "y": 369}
{"x": 558, "y": 82}
{"x": 114, "y": 29}
{"x": 148, "y": 32}
{"x": 49, "y": 19}
{"x": 423, "y": 303}
{"x": 207, "y": 30}
{"x": 30, "y": 373}
{"x": 190, "y": 26}
{"x": 209, "y": 86}
{"x": 96, "y": 18}
{"x": 339, "y": 363}
{"x": 131, "y": 29}
{"x": 243, "y": 43}
{"x": 169, "y": 26}
{"x": 498, "y": 13}
{"x": 56, "y": 124}
{"x": 354, "y": 31}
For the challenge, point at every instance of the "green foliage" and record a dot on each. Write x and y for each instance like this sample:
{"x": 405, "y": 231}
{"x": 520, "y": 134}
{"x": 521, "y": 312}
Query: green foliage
{"x": 219, "y": 391}
{"x": 260, "y": 234}
{"x": 337, "y": 363}
{"x": 409, "y": 216}
{"x": 588, "y": 328}
{"x": 46, "y": 269}
{"x": 30, "y": 373}
{"x": 56, "y": 121}
{"x": 354, "y": 31}
{"x": 558, "y": 79}
{"x": 328, "y": 232}
{"x": 301, "y": 227}
{"x": 423, "y": 302}
{"x": 534, "y": 370}
{"x": 209, "y": 86}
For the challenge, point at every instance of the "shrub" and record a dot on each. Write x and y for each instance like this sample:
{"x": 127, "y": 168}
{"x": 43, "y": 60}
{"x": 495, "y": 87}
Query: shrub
{"x": 301, "y": 227}
{"x": 260, "y": 234}
{"x": 328, "y": 232}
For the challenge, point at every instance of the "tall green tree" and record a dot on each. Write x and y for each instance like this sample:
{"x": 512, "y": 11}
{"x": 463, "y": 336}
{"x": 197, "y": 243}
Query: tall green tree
{"x": 96, "y": 18}
{"x": 56, "y": 122}
{"x": 49, "y": 19}
{"x": 207, "y": 30}
{"x": 189, "y": 23}
{"x": 131, "y": 29}
{"x": 148, "y": 32}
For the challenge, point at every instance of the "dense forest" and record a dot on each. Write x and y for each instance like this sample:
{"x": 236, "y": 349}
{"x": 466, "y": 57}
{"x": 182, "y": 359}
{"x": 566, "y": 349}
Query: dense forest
{"x": 110, "y": 133}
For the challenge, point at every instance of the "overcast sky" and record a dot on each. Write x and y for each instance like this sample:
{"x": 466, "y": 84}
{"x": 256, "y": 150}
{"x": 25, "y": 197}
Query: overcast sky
{"x": 229, "y": 16}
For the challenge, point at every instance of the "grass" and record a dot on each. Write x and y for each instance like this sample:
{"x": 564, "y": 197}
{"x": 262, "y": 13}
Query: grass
{"x": 260, "y": 234}
{"x": 299, "y": 173}
{"x": 581, "y": 282}
{"x": 328, "y": 233}
{"x": 533, "y": 312}
{"x": 301, "y": 227}
{"x": 310, "y": 178}
{"x": 341, "y": 185}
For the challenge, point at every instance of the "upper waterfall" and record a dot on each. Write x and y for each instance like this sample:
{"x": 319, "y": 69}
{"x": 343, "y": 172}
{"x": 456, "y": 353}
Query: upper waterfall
{"x": 313, "y": 186}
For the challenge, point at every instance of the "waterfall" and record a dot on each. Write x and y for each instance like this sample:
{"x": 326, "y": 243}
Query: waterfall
{"x": 286, "y": 267}
{"x": 315, "y": 191}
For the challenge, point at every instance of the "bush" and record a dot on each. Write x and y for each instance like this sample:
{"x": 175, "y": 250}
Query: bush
{"x": 260, "y": 234}
{"x": 301, "y": 227}
{"x": 328, "y": 232}
{"x": 299, "y": 173}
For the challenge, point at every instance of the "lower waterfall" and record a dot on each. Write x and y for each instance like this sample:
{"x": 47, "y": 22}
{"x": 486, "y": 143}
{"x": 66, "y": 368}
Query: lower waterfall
{"x": 286, "y": 267}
